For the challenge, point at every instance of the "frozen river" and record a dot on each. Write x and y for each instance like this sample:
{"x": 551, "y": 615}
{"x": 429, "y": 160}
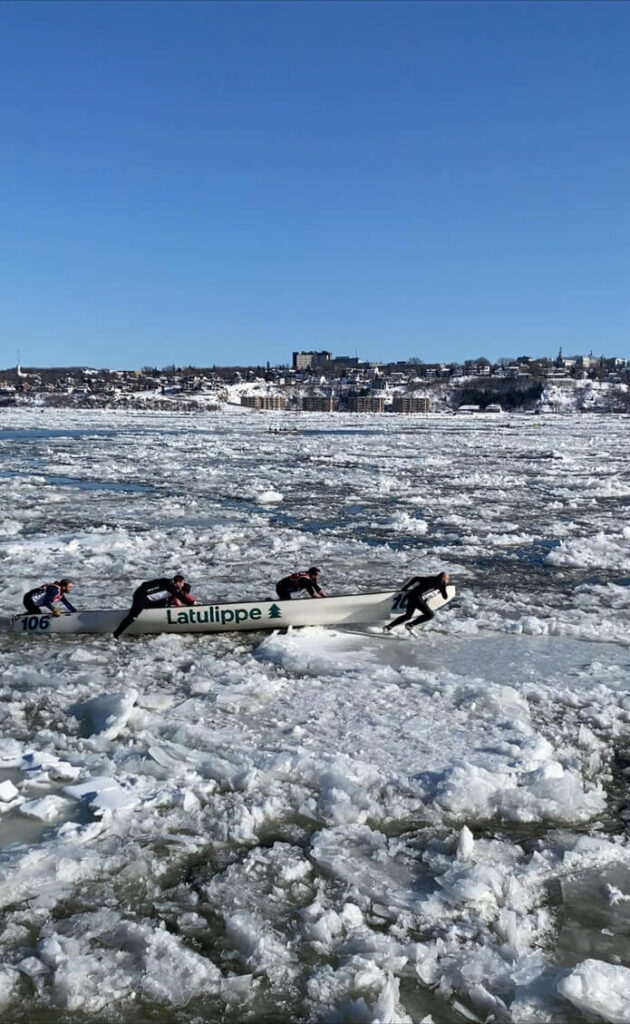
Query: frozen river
{"x": 318, "y": 825}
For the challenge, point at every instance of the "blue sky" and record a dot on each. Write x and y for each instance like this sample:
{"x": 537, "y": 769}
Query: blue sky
{"x": 228, "y": 182}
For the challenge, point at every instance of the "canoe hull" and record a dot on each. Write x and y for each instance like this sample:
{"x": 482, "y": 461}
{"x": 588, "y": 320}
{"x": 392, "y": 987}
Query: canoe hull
{"x": 350, "y": 610}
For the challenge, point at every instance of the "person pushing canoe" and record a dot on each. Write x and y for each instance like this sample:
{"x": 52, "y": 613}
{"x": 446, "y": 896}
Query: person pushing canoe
{"x": 160, "y": 593}
{"x": 43, "y": 599}
{"x": 416, "y": 588}
{"x": 292, "y": 585}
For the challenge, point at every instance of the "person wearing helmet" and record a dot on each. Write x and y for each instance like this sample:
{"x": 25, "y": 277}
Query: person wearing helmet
{"x": 160, "y": 593}
{"x": 297, "y": 582}
{"x": 417, "y": 587}
{"x": 43, "y": 599}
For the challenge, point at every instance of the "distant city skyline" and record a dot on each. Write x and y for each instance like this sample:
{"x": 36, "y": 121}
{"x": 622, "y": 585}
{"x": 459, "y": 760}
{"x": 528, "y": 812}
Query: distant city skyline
{"x": 300, "y": 362}
{"x": 223, "y": 184}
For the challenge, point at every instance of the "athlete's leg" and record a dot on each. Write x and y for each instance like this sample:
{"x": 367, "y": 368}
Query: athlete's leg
{"x": 427, "y": 614}
{"x": 30, "y": 606}
{"x": 133, "y": 613}
{"x": 410, "y": 608}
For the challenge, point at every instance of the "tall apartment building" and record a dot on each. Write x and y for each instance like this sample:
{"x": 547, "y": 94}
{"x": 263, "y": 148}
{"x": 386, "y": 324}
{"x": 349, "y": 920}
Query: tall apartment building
{"x": 410, "y": 403}
{"x": 319, "y": 403}
{"x": 366, "y": 403}
{"x": 265, "y": 402}
{"x": 302, "y": 360}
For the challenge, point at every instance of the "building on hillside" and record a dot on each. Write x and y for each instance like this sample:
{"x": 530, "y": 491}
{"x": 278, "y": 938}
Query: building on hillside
{"x": 304, "y": 360}
{"x": 350, "y": 362}
{"x": 411, "y": 403}
{"x": 274, "y": 403}
{"x": 373, "y": 369}
{"x": 587, "y": 362}
{"x": 366, "y": 403}
{"x": 319, "y": 403}
{"x": 476, "y": 368}
{"x": 8, "y": 394}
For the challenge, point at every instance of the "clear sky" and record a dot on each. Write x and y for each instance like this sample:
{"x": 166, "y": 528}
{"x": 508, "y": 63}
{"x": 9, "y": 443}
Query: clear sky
{"x": 228, "y": 182}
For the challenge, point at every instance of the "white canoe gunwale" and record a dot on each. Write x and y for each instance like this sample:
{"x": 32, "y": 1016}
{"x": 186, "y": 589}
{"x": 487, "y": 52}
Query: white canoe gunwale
{"x": 221, "y": 617}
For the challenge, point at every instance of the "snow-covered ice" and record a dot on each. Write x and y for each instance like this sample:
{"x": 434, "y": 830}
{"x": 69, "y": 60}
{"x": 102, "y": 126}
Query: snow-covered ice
{"x": 320, "y": 825}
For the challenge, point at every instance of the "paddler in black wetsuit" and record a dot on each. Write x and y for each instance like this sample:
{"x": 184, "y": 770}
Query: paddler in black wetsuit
{"x": 417, "y": 587}
{"x": 298, "y": 581}
{"x": 161, "y": 593}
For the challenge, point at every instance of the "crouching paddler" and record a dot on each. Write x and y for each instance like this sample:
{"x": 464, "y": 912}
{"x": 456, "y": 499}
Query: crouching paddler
{"x": 161, "y": 593}
{"x": 43, "y": 599}
{"x": 416, "y": 588}
{"x": 291, "y": 586}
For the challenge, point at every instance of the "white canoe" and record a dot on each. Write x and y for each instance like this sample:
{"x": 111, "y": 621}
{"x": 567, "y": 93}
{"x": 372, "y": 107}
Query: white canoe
{"x": 349, "y": 610}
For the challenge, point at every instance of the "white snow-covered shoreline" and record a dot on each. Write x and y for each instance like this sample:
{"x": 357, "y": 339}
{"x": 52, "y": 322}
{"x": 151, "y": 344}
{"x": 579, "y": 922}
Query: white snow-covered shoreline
{"x": 565, "y": 396}
{"x": 317, "y": 825}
